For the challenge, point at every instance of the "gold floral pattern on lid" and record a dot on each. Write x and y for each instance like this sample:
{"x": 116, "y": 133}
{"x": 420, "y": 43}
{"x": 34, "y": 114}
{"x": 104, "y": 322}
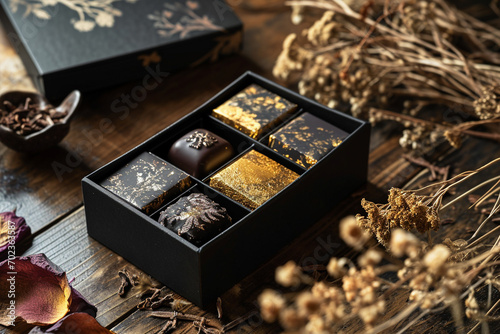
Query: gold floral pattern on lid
{"x": 181, "y": 19}
{"x": 306, "y": 139}
{"x": 147, "y": 182}
{"x": 252, "y": 179}
{"x": 254, "y": 111}
{"x": 89, "y": 13}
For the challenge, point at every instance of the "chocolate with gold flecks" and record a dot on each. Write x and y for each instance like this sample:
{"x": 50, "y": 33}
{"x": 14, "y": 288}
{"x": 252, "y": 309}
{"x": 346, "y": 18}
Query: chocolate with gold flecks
{"x": 306, "y": 139}
{"x": 252, "y": 179}
{"x": 254, "y": 110}
{"x": 147, "y": 182}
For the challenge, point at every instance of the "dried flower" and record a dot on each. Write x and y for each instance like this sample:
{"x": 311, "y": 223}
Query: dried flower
{"x": 288, "y": 275}
{"x": 435, "y": 259}
{"x": 404, "y": 209}
{"x": 370, "y": 258}
{"x": 290, "y": 319}
{"x": 352, "y": 233}
{"x": 426, "y": 52}
{"x": 336, "y": 267}
{"x": 271, "y": 303}
{"x": 403, "y": 243}
{"x": 307, "y": 303}
{"x": 435, "y": 277}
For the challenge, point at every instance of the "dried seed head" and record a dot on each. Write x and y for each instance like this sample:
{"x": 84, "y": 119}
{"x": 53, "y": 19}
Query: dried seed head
{"x": 403, "y": 243}
{"x": 290, "y": 319}
{"x": 336, "y": 267}
{"x": 371, "y": 257}
{"x": 307, "y": 303}
{"x": 436, "y": 258}
{"x": 316, "y": 325}
{"x": 288, "y": 275}
{"x": 271, "y": 303}
{"x": 352, "y": 234}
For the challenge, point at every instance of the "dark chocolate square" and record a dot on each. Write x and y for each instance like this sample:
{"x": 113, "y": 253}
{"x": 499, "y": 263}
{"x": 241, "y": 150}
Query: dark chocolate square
{"x": 147, "y": 182}
{"x": 306, "y": 139}
{"x": 254, "y": 110}
{"x": 200, "y": 152}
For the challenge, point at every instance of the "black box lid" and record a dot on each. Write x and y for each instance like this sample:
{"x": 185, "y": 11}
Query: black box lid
{"x": 60, "y": 38}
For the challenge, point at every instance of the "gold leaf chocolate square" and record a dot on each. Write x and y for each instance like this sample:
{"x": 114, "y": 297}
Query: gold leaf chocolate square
{"x": 252, "y": 179}
{"x": 147, "y": 182}
{"x": 254, "y": 111}
{"x": 306, "y": 139}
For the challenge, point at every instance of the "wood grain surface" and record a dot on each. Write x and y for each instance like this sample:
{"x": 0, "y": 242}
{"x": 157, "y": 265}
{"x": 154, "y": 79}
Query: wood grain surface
{"x": 51, "y": 201}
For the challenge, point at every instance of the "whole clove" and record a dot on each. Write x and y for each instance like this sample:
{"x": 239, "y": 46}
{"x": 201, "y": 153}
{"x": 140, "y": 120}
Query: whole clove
{"x": 28, "y": 117}
{"x": 127, "y": 281}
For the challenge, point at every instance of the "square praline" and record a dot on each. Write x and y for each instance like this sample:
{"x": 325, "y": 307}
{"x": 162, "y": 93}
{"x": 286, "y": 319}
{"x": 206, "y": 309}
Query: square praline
{"x": 199, "y": 152}
{"x": 306, "y": 139}
{"x": 147, "y": 182}
{"x": 252, "y": 179}
{"x": 254, "y": 111}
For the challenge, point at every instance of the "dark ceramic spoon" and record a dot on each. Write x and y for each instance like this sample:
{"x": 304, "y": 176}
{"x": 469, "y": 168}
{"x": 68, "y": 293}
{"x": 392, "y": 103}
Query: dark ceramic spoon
{"x": 47, "y": 137}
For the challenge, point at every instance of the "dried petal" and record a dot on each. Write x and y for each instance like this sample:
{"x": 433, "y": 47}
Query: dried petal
{"x": 80, "y": 304}
{"x": 40, "y": 290}
{"x": 13, "y": 229}
{"x": 74, "y": 323}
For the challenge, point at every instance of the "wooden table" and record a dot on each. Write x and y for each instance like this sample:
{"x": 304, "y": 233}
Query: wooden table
{"x": 52, "y": 204}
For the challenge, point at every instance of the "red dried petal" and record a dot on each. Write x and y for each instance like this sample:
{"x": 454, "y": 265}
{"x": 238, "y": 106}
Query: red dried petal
{"x": 13, "y": 229}
{"x": 41, "y": 293}
{"x": 74, "y": 323}
{"x": 80, "y": 304}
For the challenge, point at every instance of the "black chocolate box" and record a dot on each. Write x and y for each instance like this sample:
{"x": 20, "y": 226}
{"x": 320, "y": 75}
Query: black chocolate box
{"x": 295, "y": 195}
{"x": 87, "y": 45}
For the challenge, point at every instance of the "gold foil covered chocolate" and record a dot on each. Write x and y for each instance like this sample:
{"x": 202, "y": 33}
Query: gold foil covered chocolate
{"x": 147, "y": 182}
{"x": 252, "y": 179}
{"x": 254, "y": 110}
{"x": 306, "y": 139}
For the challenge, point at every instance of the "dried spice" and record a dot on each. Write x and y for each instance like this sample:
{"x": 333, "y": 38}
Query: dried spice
{"x": 27, "y": 118}
{"x": 42, "y": 292}
{"x": 13, "y": 230}
{"x": 155, "y": 299}
{"x": 128, "y": 280}
{"x": 400, "y": 55}
{"x": 447, "y": 274}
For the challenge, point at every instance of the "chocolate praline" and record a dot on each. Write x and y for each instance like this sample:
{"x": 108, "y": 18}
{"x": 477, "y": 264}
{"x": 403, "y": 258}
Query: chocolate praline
{"x": 196, "y": 218}
{"x": 147, "y": 182}
{"x": 199, "y": 152}
{"x": 306, "y": 139}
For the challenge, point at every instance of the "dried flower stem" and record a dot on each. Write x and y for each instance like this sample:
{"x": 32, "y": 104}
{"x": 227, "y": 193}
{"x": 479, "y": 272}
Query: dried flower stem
{"x": 418, "y": 52}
